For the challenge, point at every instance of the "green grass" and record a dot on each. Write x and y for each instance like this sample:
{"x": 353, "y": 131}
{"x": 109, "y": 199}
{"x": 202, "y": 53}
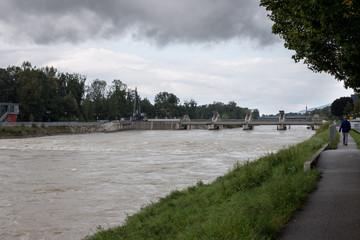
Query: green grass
{"x": 356, "y": 137}
{"x": 253, "y": 201}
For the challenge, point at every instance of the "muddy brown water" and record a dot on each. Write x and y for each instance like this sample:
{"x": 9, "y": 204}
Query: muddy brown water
{"x": 64, "y": 187}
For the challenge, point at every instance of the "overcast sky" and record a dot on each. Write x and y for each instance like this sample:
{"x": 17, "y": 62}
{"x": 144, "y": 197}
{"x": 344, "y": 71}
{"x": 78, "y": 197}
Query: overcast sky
{"x": 206, "y": 50}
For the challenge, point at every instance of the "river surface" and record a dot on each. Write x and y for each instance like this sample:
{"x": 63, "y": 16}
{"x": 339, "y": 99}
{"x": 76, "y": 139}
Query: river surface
{"x": 64, "y": 187}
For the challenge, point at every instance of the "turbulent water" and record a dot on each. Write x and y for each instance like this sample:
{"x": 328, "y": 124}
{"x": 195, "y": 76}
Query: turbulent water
{"x": 64, "y": 187}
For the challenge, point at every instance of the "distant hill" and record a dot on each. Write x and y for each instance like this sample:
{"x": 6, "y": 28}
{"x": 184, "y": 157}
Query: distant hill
{"x": 311, "y": 109}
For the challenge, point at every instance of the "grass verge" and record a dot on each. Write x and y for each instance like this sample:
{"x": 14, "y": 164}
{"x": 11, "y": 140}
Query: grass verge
{"x": 356, "y": 137}
{"x": 253, "y": 201}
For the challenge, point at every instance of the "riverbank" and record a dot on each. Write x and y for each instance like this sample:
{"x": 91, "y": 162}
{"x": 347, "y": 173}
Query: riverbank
{"x": 40, "y": 131}
{"x": 253, "y": 201}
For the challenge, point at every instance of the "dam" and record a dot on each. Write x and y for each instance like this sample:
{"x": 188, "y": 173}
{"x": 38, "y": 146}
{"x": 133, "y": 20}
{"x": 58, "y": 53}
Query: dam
{"x": 178, "y": 124}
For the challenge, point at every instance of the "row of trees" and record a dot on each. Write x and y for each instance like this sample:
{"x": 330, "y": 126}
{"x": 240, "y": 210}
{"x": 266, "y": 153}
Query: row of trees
{"x": 45, "y": 94}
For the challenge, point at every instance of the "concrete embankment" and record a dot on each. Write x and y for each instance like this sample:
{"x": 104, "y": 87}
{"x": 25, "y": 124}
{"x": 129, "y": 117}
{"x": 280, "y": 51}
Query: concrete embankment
{"x": 38, "y": 131}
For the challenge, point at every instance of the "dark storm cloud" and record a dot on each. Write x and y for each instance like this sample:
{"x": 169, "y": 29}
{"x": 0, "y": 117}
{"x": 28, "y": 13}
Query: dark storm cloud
{"x": 161, "y": 21}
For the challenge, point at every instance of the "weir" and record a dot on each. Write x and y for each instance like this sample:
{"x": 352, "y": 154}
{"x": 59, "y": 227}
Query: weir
{"x": 248, "y": 123}
{"x": 216, "y": 123}
{"x": 177, "y": 124}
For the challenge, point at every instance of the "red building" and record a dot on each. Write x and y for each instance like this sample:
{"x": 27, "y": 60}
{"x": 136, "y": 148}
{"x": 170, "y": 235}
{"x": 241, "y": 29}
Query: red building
{"x": 8, "y": 112}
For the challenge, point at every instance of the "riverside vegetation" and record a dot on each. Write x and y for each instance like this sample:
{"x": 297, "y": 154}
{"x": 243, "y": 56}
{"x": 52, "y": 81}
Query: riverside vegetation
{"x": 252, "y": 201}
{"x": 36, "y": 131}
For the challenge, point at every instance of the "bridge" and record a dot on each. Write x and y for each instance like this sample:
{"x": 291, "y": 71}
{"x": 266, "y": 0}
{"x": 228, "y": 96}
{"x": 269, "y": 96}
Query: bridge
{"x": 215, "y": 123}
{"x": 248, "y": 123}
{"x": 281, "y": 125}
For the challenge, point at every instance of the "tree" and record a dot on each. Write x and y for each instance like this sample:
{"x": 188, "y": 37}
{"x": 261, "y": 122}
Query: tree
{"x": 230, "y": 110}
{"x": 166, "y": 105}
{"x": 255, "y": 114}
{"x": 348, "y": 109}
{"x": 88, "y": 109}
{"x": 325, "y": 34}
{"x": 97, "y": 91}
{"x": 338, "y": 106}
{"x": 190, "y": 108}
{"x": 71, "y": 107}
{"x": 356, "y": 109}
{"x": 29, "y": 92}
{"x": 7, "y": 86}
{"x": 117, "y": 99}
{"x": 147, "y": 108}
{"x": 50, "y": 103}
{"x": 73, "y": 84}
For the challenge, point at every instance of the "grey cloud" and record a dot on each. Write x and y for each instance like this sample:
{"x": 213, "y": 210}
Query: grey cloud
{"x": 162, "y": 22}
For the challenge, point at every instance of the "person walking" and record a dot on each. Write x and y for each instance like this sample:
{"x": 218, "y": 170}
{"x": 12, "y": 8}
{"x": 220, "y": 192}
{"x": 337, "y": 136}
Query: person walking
{"x": 345, "y": 127}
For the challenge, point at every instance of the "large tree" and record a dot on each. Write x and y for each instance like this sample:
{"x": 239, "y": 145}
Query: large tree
{"x": 7, "y": 86}
{"x": 118, "y": 105}
{"x": 166, "y": 105}
{"x": 323, "y": 33}
{"x": 29, "y": 92}
{"x": 97, "y": 95}
{"x": 191, "y": 109}
{"x": 338, "y": 106}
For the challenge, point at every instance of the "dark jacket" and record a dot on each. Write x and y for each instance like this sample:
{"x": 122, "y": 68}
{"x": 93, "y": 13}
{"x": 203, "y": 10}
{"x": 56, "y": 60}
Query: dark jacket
{"x": 345, "y": 126}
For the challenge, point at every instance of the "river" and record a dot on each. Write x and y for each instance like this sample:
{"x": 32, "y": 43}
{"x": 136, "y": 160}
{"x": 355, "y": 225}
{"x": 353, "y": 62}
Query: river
{"x": 64, "y": 187}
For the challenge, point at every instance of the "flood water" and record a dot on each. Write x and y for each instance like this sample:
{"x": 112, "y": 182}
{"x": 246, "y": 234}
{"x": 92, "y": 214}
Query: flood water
{"x": 64, "y": 187}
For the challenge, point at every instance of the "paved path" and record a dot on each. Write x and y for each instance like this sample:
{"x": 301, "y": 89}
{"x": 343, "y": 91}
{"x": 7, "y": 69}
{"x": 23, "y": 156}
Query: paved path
{"x": 333, "y": 210}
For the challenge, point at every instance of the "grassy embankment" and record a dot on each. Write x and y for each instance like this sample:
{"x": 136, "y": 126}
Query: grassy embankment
{"x": 253, "y": 201}
{"x": 356, "y": 137}
{"x": 34, "y": 130}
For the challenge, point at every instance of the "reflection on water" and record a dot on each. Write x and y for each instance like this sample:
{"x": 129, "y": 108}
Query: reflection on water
{"x": 63, "y": 187}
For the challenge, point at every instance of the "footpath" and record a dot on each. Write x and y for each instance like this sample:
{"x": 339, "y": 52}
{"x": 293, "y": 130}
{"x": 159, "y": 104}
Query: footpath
{"x": 333, "y": 210}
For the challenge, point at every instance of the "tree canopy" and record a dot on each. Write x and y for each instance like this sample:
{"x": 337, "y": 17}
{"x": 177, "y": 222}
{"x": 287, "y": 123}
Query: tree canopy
{"x": 323, "y": 33}
{"x": 339, "y": 106}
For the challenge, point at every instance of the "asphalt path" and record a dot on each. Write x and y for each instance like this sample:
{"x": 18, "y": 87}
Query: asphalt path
{"x": 333, "y": 210}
